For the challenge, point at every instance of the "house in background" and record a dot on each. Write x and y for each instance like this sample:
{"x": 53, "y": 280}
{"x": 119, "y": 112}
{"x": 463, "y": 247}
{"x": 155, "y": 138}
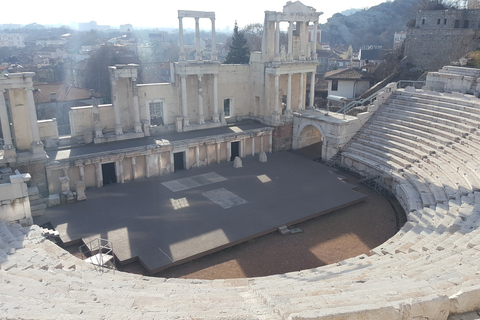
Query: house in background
{"x": 54, "y": 100}
{"x": 348, "y": 83}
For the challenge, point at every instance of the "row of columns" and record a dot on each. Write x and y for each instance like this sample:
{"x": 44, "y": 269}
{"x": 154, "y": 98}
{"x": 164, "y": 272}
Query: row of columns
{"x": 201, "y": 116}
{"x": 289, "y": 93}
{"x": 155, "y": 158}
{"x": 303, "y": 41}
{"x": 198, "y": 54}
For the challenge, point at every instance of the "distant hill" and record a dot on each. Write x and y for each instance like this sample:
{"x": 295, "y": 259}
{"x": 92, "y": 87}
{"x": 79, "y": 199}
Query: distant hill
{"x": 373, "y": 26}
{"x": 349, "y": 12}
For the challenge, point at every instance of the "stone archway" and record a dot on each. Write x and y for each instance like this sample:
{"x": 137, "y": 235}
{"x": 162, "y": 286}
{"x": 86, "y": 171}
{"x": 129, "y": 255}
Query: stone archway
{"x": 310, "y": 142}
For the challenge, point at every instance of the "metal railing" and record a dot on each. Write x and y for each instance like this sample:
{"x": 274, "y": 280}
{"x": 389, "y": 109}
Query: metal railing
{"x": 355, "y": 103}
{"x": 99, "y": 252}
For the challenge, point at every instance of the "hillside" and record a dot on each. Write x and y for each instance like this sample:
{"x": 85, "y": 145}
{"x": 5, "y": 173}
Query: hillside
{"x": 373, "y": 26}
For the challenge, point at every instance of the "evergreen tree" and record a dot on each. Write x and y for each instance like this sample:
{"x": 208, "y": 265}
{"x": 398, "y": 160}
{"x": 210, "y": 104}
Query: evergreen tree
{"x": 239, "y": 52}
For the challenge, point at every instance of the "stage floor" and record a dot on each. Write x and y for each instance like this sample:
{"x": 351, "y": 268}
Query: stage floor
{"x": 168, "y": 220}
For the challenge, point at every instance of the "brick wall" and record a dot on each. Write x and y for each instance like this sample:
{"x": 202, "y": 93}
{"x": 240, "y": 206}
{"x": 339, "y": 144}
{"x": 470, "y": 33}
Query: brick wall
{"x": 282, "y": 137}
{"x": 37, "y": 171}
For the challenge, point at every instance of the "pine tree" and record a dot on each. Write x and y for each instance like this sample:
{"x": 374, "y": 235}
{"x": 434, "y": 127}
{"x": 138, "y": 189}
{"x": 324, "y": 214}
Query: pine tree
{"x": 239, "y": 52}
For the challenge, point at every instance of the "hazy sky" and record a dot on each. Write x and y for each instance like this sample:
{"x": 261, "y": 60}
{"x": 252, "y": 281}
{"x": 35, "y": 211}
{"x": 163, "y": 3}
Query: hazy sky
{"x": 163, "y": 13}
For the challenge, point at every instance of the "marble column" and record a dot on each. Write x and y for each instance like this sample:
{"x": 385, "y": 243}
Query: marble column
{"x": 270, "y": 141}
{"x": 137, "y": 125}
{"x": 301, "y": 102}
{"x": 98, "y": 175}
{"x": 134, "y": 168}
{"x": 9, "y": 148}
{"x": 160, "y": 163}
{"x": 37, "y": 145}
{"x": 314, "y": 46}
{"x": 289, "y": 95}
{"x": 216, "y": 117}
{"x": 214, "y": 42}
{"x": 198, "y": 53}
{"x": 290, "y": 41}
{"x": 81, "y": 171}
{"x": 218, "y": 146}
{"x": 277, "y": 41}
{"x": 116, "y": 107}
{"x": 197, "y": 156}
{"x": 253, "y": 146}
{"x": 276, "y": 114}
{"x": 181, "y": 55}
{"x": 261, "y": 144}
{"x": 201, "y": 116}
{"x": 50, "y": 182}
{"x": 119, "y": 171}
{"x": 172, "y": 165}
{"x": 302, "y": 41}
{"x": 312, "y": 91}
{"x": 184, "y": 101}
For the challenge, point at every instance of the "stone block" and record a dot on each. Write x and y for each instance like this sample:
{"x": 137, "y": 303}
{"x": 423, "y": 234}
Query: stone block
{"x": 237, "y": 163}
{"x": 262, "y": 157}
{"x": 53, "y": 200}
{"x": 80, "y": 190}
{"x": 283, "y": 230}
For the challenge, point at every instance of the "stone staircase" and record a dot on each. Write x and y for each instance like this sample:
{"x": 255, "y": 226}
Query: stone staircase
{"x": 37, "y": 203}
{"x": 428, "y": 270}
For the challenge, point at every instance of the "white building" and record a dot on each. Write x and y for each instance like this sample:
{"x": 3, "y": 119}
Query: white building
{"x": 14, "y": 40}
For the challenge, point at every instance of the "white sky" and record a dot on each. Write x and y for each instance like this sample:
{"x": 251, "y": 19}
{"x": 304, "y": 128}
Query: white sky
{"x": 161, "y": 13}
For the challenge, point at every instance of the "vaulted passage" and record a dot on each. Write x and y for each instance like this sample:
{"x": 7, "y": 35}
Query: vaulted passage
{"x": 311, "y": 142}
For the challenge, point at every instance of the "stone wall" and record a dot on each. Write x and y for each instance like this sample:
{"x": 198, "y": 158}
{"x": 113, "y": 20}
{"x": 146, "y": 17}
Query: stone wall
{"x": 431, "y": 49}
{"x": 14, "y": 202}
{"x": 37, "y": 173}
{"x": 282, "y": 137}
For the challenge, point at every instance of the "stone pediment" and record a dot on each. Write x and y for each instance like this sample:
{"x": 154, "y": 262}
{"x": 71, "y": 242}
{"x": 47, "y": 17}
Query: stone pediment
{"x": 297, "y": 7}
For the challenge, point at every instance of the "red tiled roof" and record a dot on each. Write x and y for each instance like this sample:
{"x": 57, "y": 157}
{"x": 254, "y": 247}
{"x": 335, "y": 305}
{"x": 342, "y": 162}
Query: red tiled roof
{"x": 346, "y": 74}
{"x": 63, "y": 91}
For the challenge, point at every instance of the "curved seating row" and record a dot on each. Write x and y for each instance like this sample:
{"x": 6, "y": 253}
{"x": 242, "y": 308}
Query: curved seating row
{"x": 428, "y": 270}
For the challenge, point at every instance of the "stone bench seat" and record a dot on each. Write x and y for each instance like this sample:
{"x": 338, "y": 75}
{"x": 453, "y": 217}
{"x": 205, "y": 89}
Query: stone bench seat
{"x": 450, "y": 171}
{"x": 377, "y": 151}
{"x": 397, "y": 143}
{"x": 444, "y": 100}
{"x": 435, "y": 186}
{"x": 448, "y": 120}
{"x": 441, "y": 109}
{"x": 397, "y": 150}
{"x": 408, "y": 120}
{"x": 376, "y": 162}
{"x": 430, "y": 140}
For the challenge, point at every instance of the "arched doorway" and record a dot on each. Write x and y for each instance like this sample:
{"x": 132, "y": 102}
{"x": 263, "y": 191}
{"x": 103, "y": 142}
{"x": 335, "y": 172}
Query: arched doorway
{"x": 311, "y": 142}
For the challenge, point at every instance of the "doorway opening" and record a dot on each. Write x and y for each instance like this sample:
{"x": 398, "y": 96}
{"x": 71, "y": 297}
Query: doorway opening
{"x": 178, "y": 161}
{"x": 235, "y": 150}
{"x": 108, "y": 173}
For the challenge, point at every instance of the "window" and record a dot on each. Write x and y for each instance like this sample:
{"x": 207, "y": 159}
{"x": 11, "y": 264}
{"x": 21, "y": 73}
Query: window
{"x": 156, "y": 113}
{"x": 227, "y": 107}
{"x": 457, "y": 24}
{"x": 444, "y": 21}
{"x": 423, "y": 21}
{"x": 334, "y": 85}
{"x": 465, "y": 24}
{"x": 438, "y": 21}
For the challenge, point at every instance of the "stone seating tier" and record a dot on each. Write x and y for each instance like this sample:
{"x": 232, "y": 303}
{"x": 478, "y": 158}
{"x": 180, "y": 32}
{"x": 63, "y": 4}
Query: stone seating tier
{"x": 427, "y": 270}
